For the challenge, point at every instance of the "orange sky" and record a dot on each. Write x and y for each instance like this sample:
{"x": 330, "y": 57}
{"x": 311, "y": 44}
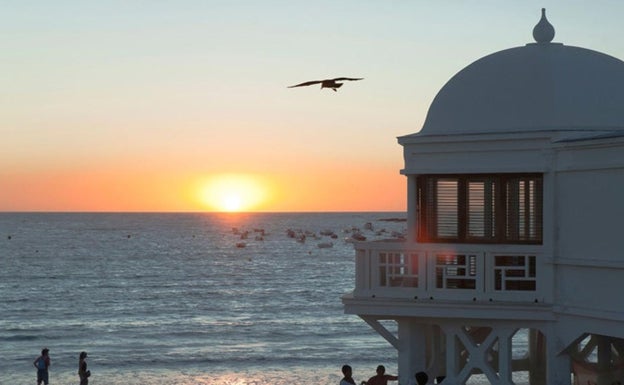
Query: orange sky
{"x": 148, "y": 190}
{"x": 184, "y": 106}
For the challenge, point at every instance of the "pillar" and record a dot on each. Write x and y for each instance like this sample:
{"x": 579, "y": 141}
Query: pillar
{"x": 412, "y": 349}
{"x": 537, "y": 357}
{"x": 604, "y": 360}
{"x": 558, "y": 366}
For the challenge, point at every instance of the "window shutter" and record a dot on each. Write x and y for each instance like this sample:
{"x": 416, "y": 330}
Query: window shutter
{"x": 447, "y": 208}
{"x": 481, "y": 209}
{"x": 524, "y": 209}
{"x": 496, "y": 208}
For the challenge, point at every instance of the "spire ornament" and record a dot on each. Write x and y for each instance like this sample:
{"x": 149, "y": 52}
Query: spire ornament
{"x": 543, "y": 32}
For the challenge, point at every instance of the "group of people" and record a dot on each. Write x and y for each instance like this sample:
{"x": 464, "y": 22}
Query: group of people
{"x": 42, "y": 363}
{"x": 381, "y": 378}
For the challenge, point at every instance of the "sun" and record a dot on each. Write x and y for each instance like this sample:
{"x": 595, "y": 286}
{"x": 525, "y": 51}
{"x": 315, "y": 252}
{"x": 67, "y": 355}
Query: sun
{"x": 232, "y": 203}
{"x": 232, "y": 192}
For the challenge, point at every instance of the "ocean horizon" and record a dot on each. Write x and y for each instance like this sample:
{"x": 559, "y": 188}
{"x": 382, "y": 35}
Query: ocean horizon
{"x": 175, "y": 298}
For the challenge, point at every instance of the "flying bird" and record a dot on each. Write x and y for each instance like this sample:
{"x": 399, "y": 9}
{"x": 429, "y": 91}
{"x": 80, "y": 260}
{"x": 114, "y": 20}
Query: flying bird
{"x": 327, "y": 83}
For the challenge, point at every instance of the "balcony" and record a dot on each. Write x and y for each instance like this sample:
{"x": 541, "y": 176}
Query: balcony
{"x": 453, "y": 272}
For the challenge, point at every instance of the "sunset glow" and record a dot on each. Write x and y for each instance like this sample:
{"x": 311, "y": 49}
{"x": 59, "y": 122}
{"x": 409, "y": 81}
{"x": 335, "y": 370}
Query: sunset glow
{"x": 185, "y": 106}
{"x": 232, "y": 193}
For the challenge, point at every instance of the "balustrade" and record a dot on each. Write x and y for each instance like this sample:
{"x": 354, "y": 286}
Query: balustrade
{"x": 452, "y": 272}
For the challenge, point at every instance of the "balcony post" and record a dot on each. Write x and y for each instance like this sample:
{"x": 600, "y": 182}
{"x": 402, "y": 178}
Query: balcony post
{"x": 412, "y": 209}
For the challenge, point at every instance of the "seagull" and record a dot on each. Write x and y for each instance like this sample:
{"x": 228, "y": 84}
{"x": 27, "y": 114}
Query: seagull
{"x": 327, "y": 83}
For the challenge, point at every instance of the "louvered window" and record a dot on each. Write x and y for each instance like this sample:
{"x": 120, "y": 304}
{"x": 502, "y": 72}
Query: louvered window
{"x": 446, "y": 208}
{"x": 481, "y": 222}
{"x": 501, "y": 208}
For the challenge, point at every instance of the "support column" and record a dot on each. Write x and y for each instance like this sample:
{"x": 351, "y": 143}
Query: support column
{"x": 604, "y": 360}
{"x": 558, "y": 366}
{"x": 452, "y": 359}
{"x": 537, "y": 357}
{"x": 436, "y": 351}
{"x": 505, "y": 356}
{"x": 412, "y": 349}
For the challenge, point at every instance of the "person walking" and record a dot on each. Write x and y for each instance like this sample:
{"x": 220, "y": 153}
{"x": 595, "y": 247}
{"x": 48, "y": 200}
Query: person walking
{"x": 42, "y": 363}
{"x": 83, "y": 373}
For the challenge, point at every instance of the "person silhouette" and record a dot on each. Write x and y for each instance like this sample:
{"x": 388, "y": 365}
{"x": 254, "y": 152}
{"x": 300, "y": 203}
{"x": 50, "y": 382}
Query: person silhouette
{"x": 42, "y": 363}
{"x": 381, "y": 378}
{"x": 83, "y": 373}
{"x": 347, "y": 371}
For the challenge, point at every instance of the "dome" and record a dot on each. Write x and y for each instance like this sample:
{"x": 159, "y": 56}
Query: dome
{"x": 539, "y": 86}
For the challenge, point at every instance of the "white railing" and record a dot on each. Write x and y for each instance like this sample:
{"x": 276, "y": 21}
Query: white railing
{"x": 394, "y": 269}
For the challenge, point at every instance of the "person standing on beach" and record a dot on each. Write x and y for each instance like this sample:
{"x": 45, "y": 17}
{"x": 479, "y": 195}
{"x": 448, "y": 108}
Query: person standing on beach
{"x": 83, "y": 373}
{"x": 348, "y": 376}
{"x": 381, "y": 378}
{"x": 42, "y": 363}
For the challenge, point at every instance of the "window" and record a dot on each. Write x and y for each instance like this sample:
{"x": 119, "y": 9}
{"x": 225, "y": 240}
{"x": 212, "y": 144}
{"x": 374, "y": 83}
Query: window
{"x": 479, "y": 208}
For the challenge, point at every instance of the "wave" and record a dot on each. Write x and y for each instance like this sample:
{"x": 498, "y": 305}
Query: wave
{"x": 20, "y": 338}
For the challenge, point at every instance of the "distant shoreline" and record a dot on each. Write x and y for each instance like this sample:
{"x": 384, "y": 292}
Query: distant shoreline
{"x": 393, "y": 219}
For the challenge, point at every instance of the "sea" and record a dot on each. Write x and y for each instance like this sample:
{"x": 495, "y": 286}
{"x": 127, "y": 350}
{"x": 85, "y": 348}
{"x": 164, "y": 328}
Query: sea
{"x": 186, "y": 298}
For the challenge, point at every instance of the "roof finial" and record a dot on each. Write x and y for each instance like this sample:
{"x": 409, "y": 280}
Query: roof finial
{"x": 543, "y": 32}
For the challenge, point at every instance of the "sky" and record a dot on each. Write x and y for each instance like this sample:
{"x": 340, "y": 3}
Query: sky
{"x": 183, "y": 105}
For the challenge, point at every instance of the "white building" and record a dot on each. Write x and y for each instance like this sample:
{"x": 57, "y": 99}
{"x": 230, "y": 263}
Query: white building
{"x": 515, "y": 236}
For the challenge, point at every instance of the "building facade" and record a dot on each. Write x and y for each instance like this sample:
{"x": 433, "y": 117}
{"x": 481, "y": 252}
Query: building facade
{"x": 513, "y": 262}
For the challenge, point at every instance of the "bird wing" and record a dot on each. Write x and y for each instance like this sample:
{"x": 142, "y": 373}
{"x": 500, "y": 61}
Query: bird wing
{"x": 343, "y": 79}
{"x": 306, "y": 83}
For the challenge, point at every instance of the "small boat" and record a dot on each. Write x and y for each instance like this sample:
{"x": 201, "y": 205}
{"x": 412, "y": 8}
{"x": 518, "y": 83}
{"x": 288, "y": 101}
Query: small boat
{"x": 355, "y": 237}
{"x": 240, "y": 245}
{"x": 397, "y": 234}
{"x": 325, "y": 245}
{"x": 358, "y": 236}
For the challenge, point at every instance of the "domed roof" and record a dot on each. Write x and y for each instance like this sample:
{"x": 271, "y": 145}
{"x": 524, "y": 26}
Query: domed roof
{"x": 540, "y": 86}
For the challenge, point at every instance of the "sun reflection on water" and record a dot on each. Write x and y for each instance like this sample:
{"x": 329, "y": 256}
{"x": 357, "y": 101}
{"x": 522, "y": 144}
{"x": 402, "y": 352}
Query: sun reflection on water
{"x": 193, "y": 377}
